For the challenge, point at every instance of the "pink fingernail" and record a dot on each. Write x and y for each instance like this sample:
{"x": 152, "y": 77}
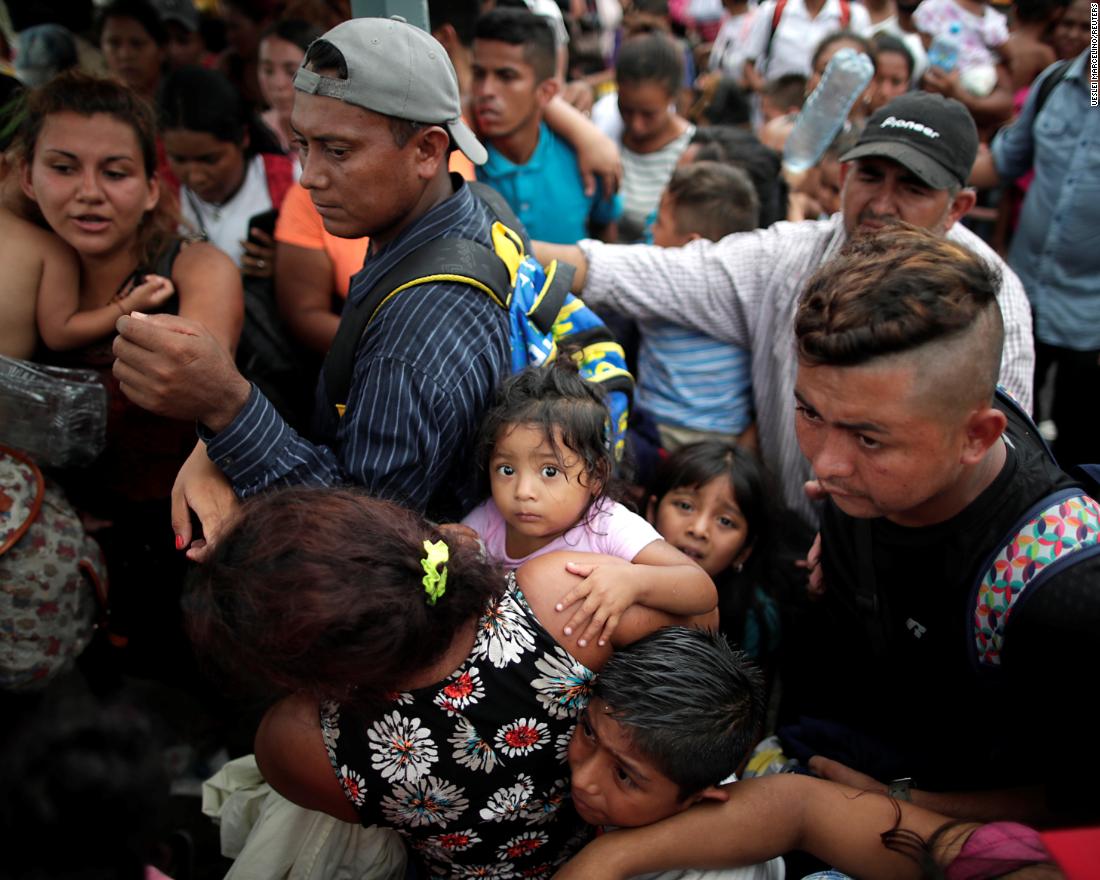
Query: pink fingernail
{"x": 568, "y": 629}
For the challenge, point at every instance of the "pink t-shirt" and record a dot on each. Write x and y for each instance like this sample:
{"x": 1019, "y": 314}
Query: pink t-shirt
{"x": 610, "y": 529}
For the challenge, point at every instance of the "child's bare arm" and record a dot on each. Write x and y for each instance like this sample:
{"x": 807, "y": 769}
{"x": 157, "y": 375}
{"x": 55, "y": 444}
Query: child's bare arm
{"x": 770, "y": 816}
{"x": 64, "y": 326}
{"x": 660, "y": 577}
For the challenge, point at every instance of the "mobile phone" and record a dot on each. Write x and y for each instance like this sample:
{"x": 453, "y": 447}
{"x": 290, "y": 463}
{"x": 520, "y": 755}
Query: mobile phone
{"x": 264, "y": 222}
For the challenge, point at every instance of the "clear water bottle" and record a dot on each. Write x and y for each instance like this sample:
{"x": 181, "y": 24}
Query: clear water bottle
{"x": 944, "y": 51}
{"x": 849, "y": 72}
{"x": 55, "y": 415}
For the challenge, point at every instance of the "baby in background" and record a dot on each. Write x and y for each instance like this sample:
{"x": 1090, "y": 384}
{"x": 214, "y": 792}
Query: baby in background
{"x": 544, "y": 446}
{"x": 696, "y": 387}
{"x": 672, "y": 717}
{"x": 981, "y": 32}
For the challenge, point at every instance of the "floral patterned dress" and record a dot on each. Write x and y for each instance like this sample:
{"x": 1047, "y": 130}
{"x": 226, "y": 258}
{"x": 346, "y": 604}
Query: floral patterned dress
{"x": 472, "y": 771}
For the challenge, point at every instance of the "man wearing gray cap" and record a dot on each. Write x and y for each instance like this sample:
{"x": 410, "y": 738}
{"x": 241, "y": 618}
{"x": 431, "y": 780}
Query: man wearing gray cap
{"x": 376, "y": 113}
{"x": 911, "y": 164}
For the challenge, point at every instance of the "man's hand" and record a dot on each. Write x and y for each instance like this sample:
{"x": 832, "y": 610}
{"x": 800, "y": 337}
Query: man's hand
{"x": 827, "y": 768}
{"x": 815, "y": 579}
{"x": 174, "y": 367}
{"x": 598, "y": 158}
{"x": 202, "y": 488}
{"x": 580, "y": 94}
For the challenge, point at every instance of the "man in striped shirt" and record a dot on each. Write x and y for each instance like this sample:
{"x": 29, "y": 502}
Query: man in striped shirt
{"x": 374, "y": 158}
{"x": 745, "y": 288}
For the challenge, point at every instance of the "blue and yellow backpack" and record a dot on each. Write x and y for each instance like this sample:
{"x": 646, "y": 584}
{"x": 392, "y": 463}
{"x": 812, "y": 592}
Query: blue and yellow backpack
{"x": 543, "y": 314}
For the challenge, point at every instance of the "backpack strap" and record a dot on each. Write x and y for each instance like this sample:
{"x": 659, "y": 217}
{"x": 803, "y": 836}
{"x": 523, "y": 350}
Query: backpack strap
{"x": 498, "y": 206}
{"x": 443, "y": 260}
{"x": 777, "y": 14}
{"x": 1058, "y": 531}
{"x": 1051, "y": 83}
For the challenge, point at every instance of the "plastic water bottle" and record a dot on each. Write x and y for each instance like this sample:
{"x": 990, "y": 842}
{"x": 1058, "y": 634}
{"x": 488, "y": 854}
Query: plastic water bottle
{"x": 944, "y": 51}
{"x": 849, "y": 72}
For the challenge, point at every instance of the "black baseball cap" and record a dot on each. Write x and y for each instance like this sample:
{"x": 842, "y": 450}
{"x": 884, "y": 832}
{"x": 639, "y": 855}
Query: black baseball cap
{"x": 933, "y": 136}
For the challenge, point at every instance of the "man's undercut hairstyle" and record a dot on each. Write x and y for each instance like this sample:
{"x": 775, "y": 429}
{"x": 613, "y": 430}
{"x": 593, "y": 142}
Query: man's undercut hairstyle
{"x": 521, "y": 27}
{"x": 712, "y": 199}
{"x": 689, "y": 702}
{"x": 323, "y": 57}
{"x": 651, "y": 58}
{"x": 899, "y": 290}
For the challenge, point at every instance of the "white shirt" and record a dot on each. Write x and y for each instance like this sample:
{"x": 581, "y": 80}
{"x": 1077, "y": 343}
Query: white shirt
{"x": 798, "y": 34}
{"x": 729, "y": 52}
{"x": 226, "y": 225}
{"x": 744, "y": 289}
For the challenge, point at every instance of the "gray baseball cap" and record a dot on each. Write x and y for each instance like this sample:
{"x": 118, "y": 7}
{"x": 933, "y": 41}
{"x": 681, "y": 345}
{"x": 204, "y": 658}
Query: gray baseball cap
{"x": 398, "y": 70}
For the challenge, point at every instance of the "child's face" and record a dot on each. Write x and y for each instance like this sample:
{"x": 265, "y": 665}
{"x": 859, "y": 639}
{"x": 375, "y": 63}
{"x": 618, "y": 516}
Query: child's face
{"x": 646, "y": 109}
{"x": 891, "y": 79}
{"x": 705, "y": 523}
{"x": 614, "y": 783}
{"x": 666, "y": 232}
{"x": 540, "y": 495}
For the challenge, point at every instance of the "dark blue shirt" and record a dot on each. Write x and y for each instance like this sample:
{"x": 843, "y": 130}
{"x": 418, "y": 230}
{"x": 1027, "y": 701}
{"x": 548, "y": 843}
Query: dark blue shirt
{"x": 425, "y": 372}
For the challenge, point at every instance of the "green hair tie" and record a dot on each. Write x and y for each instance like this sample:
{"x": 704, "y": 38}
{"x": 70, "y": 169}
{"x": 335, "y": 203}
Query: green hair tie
{"x": 436, "y": 555}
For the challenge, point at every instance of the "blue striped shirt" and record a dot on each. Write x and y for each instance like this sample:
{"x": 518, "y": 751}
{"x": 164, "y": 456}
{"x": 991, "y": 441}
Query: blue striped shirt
{"x": 690, "y": 380}
{"x": 425, "y": 372}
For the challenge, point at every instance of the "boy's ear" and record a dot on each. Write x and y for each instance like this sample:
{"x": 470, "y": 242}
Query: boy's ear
{"x": 546, "y": 90}
{"x": 719, "y": 793}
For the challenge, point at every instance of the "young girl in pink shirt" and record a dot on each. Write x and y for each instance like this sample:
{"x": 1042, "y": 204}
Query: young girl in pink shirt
{"x": 544, "y": 447}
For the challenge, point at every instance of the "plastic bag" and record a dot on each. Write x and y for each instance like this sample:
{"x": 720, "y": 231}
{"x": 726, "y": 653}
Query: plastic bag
{"x": 57, "y": 416}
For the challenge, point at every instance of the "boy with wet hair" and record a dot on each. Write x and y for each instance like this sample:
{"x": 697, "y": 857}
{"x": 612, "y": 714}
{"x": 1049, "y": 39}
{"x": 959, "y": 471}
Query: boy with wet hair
{"x": 671, "y": 718}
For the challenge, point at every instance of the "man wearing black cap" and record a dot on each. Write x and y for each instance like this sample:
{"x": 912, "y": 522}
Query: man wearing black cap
{"x": 910, "y": 164}
{"x": 376, "y": 113}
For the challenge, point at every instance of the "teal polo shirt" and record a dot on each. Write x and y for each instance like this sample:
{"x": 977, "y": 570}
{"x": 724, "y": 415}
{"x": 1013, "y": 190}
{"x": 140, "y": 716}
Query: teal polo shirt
{"x": 547, "y": 192}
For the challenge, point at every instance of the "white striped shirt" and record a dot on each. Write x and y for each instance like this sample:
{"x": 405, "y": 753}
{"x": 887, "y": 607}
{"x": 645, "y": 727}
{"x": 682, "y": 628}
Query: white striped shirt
{"x": 645, "y": 176}
{"x": 745, "y": 289}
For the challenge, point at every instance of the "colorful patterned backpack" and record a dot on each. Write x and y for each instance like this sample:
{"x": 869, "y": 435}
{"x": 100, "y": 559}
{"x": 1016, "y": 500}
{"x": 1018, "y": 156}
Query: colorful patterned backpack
{"x": 52, "y": 577}
{"x": 1058, "y": 531}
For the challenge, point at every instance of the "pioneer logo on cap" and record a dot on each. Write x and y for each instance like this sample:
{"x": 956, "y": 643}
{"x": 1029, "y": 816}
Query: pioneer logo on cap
{"x": 894, "y": 122}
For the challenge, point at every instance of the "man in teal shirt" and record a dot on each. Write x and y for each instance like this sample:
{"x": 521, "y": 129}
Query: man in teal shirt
{"x": 534, "y": 169}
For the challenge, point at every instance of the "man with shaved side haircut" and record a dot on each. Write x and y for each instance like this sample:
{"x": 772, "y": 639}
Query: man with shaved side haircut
{"x": 899, "y": 345}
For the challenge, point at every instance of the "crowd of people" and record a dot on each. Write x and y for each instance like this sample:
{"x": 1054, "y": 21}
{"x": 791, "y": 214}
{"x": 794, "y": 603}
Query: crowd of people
{"x": 816, "y": 594}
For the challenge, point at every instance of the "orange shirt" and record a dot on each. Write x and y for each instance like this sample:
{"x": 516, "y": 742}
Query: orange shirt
{"x": 300, "y": 224}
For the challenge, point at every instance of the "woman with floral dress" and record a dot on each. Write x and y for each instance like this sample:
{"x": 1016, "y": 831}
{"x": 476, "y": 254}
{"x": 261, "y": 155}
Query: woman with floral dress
{"x": 429, "y": 693}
